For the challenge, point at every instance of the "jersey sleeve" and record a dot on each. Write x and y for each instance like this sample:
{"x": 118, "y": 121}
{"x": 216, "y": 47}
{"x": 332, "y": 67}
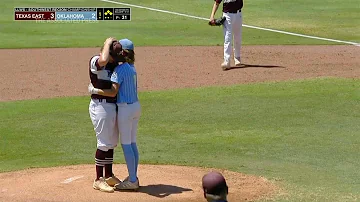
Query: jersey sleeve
{"x": 94, "y": 65}
{"x": 218, "y": 1}
{"x": 117, "y": 75}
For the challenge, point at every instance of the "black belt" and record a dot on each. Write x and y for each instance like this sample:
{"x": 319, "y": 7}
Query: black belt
{"x": 235, "y": 11}
{"x": 129, "y": 103}
{"x": 106, "y": 100}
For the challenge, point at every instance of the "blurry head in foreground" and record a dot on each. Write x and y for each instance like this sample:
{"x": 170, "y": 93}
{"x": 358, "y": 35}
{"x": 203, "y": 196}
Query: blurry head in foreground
{"x": 214, "y": 187}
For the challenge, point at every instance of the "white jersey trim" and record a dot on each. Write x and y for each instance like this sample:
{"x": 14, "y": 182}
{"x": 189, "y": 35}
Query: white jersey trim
{"x": 93, "y": 67}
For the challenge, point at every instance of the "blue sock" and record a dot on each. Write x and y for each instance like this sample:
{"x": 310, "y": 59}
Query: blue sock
{"x": 136, "y": 154}
{"x": 130, "y": 161}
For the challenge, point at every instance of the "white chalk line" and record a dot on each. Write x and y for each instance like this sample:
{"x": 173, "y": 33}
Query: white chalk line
{"x": 249, "y": 26}
{"x": 71, "y": 179}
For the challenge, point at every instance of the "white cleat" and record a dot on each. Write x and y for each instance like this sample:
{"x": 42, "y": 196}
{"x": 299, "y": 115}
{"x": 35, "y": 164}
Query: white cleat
{"x": 237, "y": 62}
{"x": 112, "y": 181}
{"x": 225, "y": 66}
{"x": 101, "y": 185}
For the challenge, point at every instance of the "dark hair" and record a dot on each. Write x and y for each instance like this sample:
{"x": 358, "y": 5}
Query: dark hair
{"x": 116, "y": 57}
{"x": 214, "y": 186}
{"x": 129, "y": 56}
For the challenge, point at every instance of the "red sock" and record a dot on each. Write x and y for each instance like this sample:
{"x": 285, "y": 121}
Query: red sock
{"x": 99, "y": 162}
{"x": 109, "y": 163}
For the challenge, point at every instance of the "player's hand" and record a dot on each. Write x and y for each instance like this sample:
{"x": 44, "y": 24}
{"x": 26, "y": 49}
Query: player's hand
{"x": 109, "y": 40}
{"x": 212, "y": 19}
{"x": 92, "y": 90}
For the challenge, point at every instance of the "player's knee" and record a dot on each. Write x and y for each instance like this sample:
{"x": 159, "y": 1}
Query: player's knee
{"x": 125, "y": 140}
{"x": 103, "y": 148}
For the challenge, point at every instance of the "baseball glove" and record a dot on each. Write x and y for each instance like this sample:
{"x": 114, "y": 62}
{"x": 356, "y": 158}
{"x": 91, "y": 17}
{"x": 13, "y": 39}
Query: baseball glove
{"x": 217, "y": 22}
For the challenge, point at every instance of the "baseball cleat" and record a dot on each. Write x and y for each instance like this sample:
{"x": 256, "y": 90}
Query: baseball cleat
{"x": 127, "y": 185}
{"x": 101, "y": 185}
{"x": 225, "y": 66}
{"x": 237, "y": 61}
{"x": 127, "y": 179}
{"x": 112, "y": 181}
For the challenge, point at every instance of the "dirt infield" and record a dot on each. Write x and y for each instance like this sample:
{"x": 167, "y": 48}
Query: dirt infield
{"x": 47, "y": 73}
{"x": 158, "y": 183}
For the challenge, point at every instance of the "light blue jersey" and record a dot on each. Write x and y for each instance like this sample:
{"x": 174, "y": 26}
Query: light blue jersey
{"x": 125, "y": 75}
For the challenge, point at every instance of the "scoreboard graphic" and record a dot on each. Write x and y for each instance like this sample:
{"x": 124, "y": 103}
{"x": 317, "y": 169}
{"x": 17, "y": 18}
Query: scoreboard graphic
{"x": 71, "y": 14}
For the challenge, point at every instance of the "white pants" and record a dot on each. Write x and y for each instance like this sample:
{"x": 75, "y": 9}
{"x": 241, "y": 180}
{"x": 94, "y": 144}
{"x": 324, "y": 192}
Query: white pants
{"x": 128, "y": 118}
{"x": 103, "y": 117}
{"x": 232, "y": 29}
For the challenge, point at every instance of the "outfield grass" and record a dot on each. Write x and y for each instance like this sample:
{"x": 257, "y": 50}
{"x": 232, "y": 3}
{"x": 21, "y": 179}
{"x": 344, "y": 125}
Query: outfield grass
{"x": 332, "y": 18}
{"x": 302, "y": 134}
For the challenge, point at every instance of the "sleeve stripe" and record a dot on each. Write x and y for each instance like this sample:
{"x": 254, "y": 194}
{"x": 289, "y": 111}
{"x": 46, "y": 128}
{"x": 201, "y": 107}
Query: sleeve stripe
{"x": 94, "y": 65}
{"x": 97, "y": 64}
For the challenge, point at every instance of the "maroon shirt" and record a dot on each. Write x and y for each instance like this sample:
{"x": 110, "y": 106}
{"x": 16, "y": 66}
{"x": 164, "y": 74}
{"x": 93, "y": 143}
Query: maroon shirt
{"x": 231, "y": 6}
{"x": 100, "y": 77}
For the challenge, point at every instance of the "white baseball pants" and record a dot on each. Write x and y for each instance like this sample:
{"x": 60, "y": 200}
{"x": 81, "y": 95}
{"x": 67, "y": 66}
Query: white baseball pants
{"x": 128, "y": 119}
{"x": 232, "y": 29}
{"x": 103, "y": 117}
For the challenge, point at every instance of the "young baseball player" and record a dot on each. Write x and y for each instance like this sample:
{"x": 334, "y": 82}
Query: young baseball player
{"x": 232, "y": 28}
{"x": 102, "y": 110}
{"x": 124, "y": 80}
{"x": 214, "y": 187}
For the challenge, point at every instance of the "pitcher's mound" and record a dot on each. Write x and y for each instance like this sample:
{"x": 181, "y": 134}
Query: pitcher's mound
{"x": 158, "y": 183}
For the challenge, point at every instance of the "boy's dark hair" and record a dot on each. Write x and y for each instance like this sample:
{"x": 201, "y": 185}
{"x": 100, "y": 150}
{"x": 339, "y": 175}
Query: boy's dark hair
{"x": 117, "y": 55}
{"x": 214, "y": 186}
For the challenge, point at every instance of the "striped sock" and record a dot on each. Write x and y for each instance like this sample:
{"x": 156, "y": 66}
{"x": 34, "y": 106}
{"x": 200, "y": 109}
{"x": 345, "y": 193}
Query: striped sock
{"x": 99, "y": 162}
{"x": 109, "y": 163}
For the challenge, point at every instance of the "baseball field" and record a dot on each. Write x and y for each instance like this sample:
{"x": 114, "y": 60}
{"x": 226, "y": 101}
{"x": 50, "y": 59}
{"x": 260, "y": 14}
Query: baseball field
{"x": 284, "y": 127}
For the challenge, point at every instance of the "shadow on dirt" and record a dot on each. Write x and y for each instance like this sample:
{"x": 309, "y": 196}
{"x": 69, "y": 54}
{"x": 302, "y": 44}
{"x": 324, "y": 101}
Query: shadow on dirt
{"x": 162, "y": 190}
{"x": 243, "y": 66}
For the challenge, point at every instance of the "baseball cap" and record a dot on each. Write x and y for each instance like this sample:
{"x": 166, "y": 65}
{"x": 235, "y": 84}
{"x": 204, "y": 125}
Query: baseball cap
{"x": 126, "y": 44}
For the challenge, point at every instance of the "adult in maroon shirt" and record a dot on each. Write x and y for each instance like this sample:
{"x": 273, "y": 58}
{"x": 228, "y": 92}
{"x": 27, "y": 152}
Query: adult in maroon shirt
{"x": 232, "y": 28}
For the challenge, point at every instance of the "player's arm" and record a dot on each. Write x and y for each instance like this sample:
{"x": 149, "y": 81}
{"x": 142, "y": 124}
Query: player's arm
{"x": 106, "y": 92}
{"x": 110, "y": 92}
{"x": 214, "y": 9}
{"x": 105, "y": 53}
{"x": 116, "y": 79}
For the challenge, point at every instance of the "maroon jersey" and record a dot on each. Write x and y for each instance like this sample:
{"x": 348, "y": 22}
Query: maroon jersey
{"x": 231, "y": 6}
{"x": 100, "y": 77}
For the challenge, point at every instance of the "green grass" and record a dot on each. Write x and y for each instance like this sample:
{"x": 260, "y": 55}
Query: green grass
{"x": 332, "y": 18}
{"x": 326, "y": 18}
{"x": 304, "y": 135}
